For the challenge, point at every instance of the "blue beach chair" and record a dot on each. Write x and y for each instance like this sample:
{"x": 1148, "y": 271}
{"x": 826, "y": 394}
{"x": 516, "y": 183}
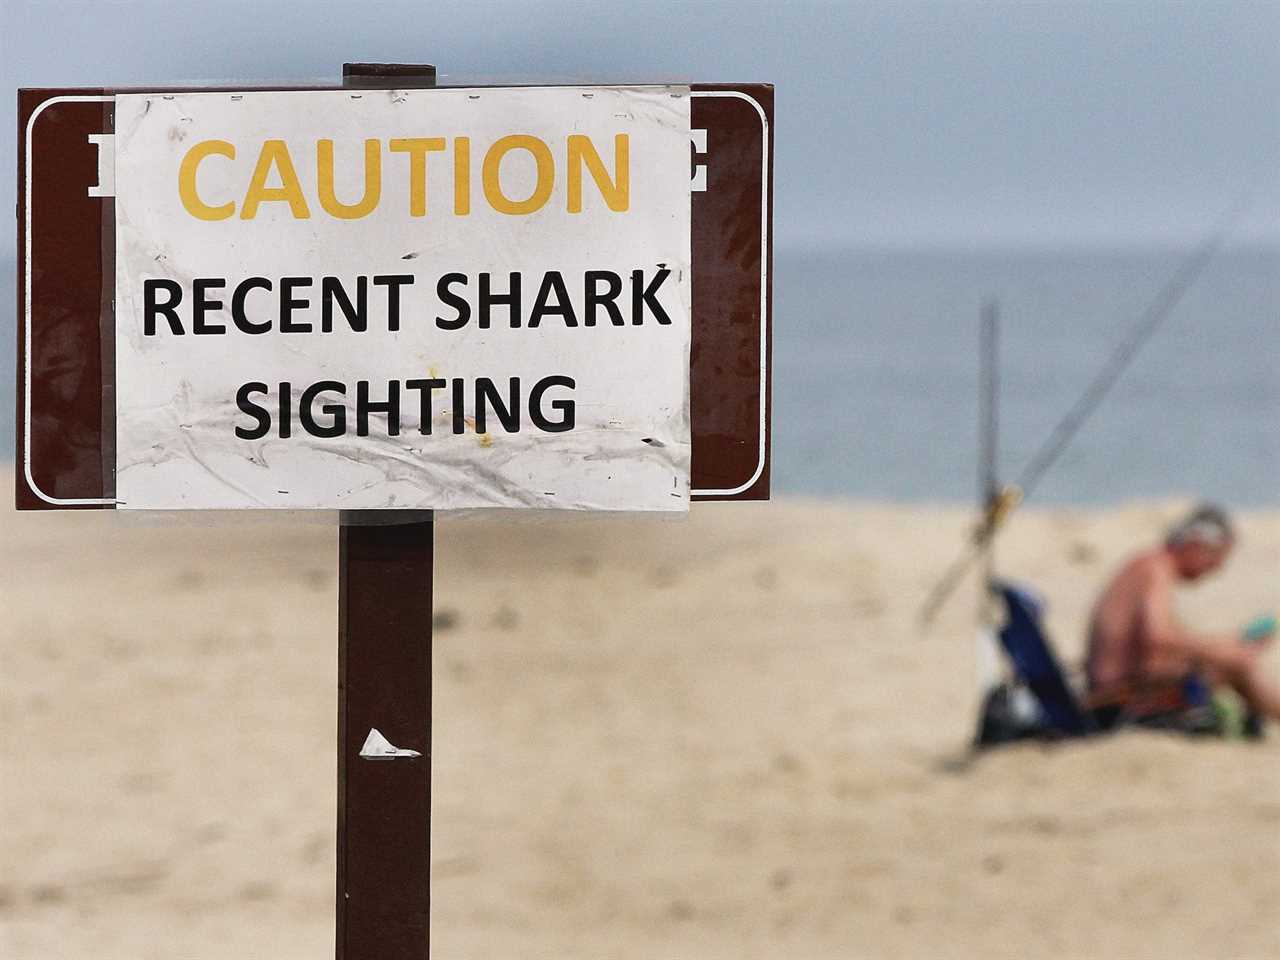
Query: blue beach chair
{"x": 1055, "y": 711}
{"x": 1036, "y": 666}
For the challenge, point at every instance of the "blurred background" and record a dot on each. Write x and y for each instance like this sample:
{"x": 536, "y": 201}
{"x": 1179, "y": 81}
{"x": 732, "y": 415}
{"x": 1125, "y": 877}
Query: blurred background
{"x": 735, "y": 742}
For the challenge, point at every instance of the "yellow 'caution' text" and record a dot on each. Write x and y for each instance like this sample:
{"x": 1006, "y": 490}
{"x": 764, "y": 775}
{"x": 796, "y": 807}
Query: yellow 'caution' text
{"x": 439, "y": 177}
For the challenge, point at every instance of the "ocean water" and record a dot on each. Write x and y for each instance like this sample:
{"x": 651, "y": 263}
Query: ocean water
{"x": 875, "y": 372}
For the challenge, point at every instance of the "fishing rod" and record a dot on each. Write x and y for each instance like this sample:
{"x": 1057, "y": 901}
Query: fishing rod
{"x": 1000, "y": 502}
{"x": 988, "y": 427}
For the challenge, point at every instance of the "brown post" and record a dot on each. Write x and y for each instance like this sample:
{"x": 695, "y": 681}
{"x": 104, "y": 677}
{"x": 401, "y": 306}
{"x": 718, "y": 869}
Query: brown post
{"x": 384, "y": 683}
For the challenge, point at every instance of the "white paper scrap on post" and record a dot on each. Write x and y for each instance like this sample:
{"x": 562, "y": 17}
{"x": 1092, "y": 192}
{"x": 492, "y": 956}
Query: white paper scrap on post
{"x": 378, "y": 747}
{"x": 433, "y": 299}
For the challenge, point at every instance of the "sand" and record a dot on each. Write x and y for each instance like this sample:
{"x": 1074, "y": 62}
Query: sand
{"x": 717, "y": 738}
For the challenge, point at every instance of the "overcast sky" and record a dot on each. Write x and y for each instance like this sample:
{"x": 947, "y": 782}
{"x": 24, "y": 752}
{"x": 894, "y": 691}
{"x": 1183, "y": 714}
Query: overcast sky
{"x": 904, "y": 123}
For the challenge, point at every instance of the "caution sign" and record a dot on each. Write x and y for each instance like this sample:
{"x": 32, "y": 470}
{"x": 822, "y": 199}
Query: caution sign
{"x": 439, "y": 299}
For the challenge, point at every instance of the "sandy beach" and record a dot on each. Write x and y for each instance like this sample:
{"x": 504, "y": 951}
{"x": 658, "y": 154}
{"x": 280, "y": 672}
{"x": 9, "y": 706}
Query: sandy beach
{"x": 724, "y": 737}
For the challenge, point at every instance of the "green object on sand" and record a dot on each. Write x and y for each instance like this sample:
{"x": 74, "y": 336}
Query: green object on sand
{"x": 1259, "y": 628}
{"x": 1230, "y": 713}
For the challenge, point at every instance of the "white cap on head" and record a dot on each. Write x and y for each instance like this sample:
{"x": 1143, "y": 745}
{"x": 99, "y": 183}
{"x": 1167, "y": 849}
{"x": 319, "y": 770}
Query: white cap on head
{"x": 1206, "y": 524}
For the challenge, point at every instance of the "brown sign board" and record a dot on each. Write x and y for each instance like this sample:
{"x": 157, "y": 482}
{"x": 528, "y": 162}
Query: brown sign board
{"x": 65, "y": 354}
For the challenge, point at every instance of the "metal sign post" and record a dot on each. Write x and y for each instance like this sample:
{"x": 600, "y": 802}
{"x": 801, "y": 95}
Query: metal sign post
{"x": 384, "y": 684}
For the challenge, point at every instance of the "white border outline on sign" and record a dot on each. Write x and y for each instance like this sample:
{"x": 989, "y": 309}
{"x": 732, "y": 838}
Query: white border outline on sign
{"x": 26, "y": 359}
{"x": 764, "y": 300}
{"x": 764, "y": 286}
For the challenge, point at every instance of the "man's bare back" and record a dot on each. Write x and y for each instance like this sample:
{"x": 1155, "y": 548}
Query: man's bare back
{"x": 1123, "y": 646}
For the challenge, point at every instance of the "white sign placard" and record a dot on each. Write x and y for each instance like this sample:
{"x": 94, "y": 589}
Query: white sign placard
{"x": 436, "y": 299}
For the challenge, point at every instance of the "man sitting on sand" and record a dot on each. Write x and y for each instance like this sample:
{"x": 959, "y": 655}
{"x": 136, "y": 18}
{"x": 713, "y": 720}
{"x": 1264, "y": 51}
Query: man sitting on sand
{"x": 1140, "y": 658}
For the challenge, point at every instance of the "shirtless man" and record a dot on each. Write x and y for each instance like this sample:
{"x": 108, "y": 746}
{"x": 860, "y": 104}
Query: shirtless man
{"x": 1136, "y": 645}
